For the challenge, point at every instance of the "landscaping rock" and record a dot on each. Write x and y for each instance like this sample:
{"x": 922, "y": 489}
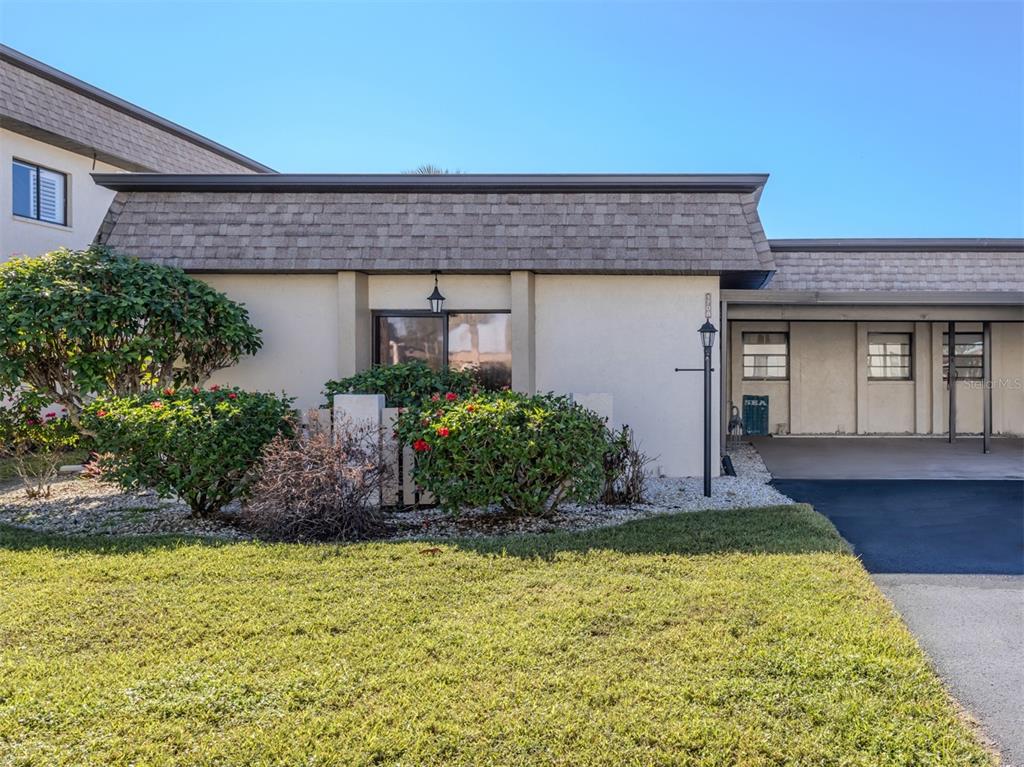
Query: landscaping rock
{"x": 82, "y": 506}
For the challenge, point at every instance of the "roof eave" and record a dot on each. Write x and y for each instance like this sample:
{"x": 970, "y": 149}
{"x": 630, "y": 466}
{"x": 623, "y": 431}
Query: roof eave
{"x": 453, "y": 183}
{"x": 899, "y": 244}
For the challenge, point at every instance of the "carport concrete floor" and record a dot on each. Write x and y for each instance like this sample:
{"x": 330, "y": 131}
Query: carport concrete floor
{"x": 948, "y": 552}
{"x": 891, "y": 457}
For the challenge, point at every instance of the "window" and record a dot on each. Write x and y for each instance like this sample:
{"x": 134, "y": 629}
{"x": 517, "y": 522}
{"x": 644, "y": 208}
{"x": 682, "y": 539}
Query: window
{"x": 766, "y": 356}
{"x": 39, "y": 193}
{"x": 459, "y": 339}
{"x": 889, "y": 357}
{"x": 969, "y": 359}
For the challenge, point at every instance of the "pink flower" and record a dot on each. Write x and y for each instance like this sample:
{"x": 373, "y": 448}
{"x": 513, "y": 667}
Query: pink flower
{"x": 451, "y": 396}
{"x": 442, "y": 431}
{"x": 435, "y": 397}
{"x": 215, "y": 387}
{"x": 51, "y": 415}
{"x": 156, "y": 405}
{"x": 195, "y": 390}
{"x": 101, "y": 413}
{"x": 232, "y": 395}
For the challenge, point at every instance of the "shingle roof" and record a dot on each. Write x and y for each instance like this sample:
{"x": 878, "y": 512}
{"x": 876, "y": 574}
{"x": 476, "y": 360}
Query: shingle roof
{"x": 678, "y": 232}
{"x": 898, "y": 265}
{"x": 44, "y": 103}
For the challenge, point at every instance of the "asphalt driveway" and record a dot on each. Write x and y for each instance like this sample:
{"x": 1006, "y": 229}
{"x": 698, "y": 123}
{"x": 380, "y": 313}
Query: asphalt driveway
{"x": 950, "y": 555}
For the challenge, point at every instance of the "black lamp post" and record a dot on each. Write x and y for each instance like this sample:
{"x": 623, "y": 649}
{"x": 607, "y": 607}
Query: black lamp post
{"x": 707, "y": 339}
{"x": 436, "y": 299}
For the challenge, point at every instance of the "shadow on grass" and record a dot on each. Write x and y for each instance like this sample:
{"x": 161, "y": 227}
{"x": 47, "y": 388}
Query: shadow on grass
{"x": 775, "y": 530}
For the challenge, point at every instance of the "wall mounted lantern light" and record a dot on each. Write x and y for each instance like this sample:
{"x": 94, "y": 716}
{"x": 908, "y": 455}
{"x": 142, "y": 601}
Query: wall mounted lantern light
{"x": 436, "y": 299}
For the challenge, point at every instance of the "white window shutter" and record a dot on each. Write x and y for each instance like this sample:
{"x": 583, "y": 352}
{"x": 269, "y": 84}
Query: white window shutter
{"x": 51, "y": 196}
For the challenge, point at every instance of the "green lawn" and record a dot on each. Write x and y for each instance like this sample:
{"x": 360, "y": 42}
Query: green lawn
{"x": 720, "y": 638}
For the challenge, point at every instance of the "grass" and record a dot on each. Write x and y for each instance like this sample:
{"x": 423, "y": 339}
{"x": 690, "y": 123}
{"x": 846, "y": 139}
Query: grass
{"x": 720, "y": 638}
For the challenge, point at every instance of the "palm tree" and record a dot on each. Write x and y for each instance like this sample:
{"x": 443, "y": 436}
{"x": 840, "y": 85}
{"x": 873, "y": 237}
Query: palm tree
{"x": 431, "y": 170}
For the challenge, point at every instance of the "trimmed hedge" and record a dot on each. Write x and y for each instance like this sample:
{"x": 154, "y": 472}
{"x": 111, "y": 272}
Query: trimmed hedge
{"x": 200, "y": 445}
{"x": 406, "y": 384}
{"x": 524, "y": 453}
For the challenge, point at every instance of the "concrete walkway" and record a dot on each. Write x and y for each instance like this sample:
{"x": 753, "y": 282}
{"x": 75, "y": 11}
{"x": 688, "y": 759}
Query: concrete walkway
{"x": 940, "y": 527}
{"x": 890, "y": 458}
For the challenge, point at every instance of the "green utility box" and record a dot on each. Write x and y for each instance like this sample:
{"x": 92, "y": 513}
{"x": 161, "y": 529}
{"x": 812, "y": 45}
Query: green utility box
{"x": 755, "y": 414}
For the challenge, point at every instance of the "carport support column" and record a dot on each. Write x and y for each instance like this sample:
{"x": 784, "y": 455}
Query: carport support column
{"x": 986, "y": 362}
{"x": 524, "y": 334}
{"x": 951, "y": 379}
{"x": 355, "y": 331}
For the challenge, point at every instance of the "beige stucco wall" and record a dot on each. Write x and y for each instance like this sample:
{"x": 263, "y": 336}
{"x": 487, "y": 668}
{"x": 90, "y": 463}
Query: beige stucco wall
{"x": 298, "y": 315}
{"x": 87, "y": 202}
{"x": 461, "y": 291}
{"x": 829, "y": 391}
{"x": 625, "y": 335}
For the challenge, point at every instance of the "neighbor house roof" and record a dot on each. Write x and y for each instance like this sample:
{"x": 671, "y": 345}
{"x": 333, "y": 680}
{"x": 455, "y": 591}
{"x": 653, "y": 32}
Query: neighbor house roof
{"x": 898, "y": 265}
{"x": 44, "y": 103}
{"x": 653, "y": 224}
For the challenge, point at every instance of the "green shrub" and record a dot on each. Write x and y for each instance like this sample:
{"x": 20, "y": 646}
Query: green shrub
{"x": 82, "y": 322}
{"x": 199, "y": 445}
{"x": 406, "y": 384}
{"x": 35, "y": 435}
{"x": 524, "y": 453}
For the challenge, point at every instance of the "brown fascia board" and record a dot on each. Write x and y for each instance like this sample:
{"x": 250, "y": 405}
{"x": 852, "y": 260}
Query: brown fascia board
{"x": 900, "y": 244}
{"x": 29, "y": 64}
{"x": 453, "y": 183}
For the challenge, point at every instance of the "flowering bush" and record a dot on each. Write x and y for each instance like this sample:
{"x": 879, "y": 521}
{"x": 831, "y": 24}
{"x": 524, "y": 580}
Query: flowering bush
{"x": 199, "y": 445}
{"x": 406, "y": 384}
{"x": 80, "y": 322}
{"x": 35, "y": 434}
{"x": 319, "y": 485}
{"x": 524, "y": 453}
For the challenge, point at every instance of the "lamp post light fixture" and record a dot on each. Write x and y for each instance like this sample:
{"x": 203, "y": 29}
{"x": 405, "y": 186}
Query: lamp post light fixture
{"x": 707, "y": 341}
{"x": 707, "y": 338}
{"x": 436, "y": 299}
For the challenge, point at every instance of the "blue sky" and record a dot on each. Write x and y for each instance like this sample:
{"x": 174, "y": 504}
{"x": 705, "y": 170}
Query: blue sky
{"x": 873, "y": 119}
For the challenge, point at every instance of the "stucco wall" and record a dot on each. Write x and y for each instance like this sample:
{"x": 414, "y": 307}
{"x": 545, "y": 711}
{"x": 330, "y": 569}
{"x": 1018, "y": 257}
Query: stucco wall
{"x": 624, "y": 336}
{"x": 87, "y": 202}
{"x": 829, "y": 391}
{"x": 298, "y": 315}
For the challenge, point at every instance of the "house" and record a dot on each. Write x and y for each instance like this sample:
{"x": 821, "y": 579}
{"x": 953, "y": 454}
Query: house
{"x": 591, "y": 284}
{"x": 55, "y": 130}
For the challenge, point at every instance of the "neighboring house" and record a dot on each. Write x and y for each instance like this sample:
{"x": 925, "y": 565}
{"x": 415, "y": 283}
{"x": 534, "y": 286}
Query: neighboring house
{"x": 593, "y": 284}
{"x": 569, "y": 283}
{"x": 55, "y": 130}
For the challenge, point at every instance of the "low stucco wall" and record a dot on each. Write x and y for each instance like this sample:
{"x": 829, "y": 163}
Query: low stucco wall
{"x": 624, "y": 336}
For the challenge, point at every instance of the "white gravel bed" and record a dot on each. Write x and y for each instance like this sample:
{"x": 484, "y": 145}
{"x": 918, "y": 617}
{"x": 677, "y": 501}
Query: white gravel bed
{"x": 82, "y": 506}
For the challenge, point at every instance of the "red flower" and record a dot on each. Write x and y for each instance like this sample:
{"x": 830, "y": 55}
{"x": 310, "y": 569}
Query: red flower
{"x": 101, "y": 413}
{"x": 195, "y": 390}
{"x": 420, "y": 446}
{"x": 215, "y": 387}
{"x": 451, "y": 396}
{"x": 51, "y": 415}
{"x": 232, "y": 395}
{"x": 435, "y": 397}
{"x": 156, "y": 405}
{"x": 169, "y": 391}
{"x": 470, "y": 408}
{"x": 442, "y": 431}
